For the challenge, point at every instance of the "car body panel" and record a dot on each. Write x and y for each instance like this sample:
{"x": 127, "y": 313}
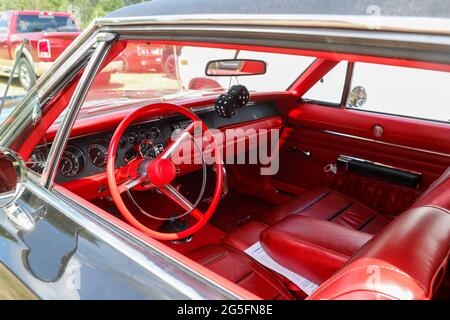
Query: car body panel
{"x": 12, "y": 39}
{"x": 120, "y": 261}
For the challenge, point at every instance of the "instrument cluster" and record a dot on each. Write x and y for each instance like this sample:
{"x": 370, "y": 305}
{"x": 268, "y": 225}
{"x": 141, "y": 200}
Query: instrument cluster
{"x": 87, "y": 155}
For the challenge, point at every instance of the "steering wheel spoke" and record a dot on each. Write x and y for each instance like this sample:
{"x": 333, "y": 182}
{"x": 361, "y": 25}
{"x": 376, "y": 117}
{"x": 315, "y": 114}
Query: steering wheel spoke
{"x": 171, "y": 192}
{"x": 130, "y": 184}
{"x": 187, "y": 133}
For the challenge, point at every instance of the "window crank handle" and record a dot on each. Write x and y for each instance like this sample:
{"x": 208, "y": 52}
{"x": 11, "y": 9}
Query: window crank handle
{"x": 305, "y": 153}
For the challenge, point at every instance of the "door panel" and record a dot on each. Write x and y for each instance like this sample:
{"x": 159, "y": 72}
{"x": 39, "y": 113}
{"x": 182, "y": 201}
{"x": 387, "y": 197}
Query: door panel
{"x": 327, "y": 133}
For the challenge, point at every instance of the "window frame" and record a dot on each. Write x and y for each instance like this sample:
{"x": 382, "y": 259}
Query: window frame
{"x": 345, "y": 89}
{"x": 349, "y": 83}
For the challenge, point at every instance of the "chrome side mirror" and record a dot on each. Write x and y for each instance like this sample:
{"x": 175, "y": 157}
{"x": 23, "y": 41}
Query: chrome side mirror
{"x": 357, "y": 97}
{"x": 12, "y": 177}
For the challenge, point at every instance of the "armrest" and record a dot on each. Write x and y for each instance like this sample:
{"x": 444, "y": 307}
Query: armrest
{"x": 313, "y": 248}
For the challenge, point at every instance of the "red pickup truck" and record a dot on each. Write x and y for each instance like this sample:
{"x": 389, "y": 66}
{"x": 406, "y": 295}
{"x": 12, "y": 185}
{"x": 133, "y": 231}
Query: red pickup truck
{"x": 47, "y": 35}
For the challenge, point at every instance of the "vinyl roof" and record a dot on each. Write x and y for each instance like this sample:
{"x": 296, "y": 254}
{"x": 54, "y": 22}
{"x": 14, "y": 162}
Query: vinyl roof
{"x": 387, "y": 8}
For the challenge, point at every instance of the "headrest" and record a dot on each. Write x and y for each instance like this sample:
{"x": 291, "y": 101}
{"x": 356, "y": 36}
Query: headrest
{"x": 407, "y": 260}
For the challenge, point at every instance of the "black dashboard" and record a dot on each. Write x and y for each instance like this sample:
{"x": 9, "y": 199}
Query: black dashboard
{"x": 86, "y": 155}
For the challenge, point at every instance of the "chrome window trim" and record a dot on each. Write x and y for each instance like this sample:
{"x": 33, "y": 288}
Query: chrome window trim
{"x": 103, "y": 41}
{"x": 385, "y": 143}
{"x": 354, "y": 22}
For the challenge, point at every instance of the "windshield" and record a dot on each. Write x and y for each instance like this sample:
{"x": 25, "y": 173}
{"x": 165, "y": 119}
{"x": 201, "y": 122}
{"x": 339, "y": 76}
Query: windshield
{"x": 146, "y": 70}
{"x": 48, "y": 23}
{"x": 4, "y": 23}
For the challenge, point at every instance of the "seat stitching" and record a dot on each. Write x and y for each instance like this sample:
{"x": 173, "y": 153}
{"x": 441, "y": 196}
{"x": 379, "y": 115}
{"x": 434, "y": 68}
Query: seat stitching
{"x": 335, "y": 279}
{"x": 276, "y": 296}
{"x": 272, "y": 281}
{"x": 335, "y": 215}
{"x": 245, "y": 275}
{"x": 311, "y": 203}
{"x": 215, "y": 258}
{"x": 365, "y": 224}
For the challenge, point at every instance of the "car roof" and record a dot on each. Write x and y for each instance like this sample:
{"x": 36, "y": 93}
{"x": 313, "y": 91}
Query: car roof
{"x": 400, "y": 8}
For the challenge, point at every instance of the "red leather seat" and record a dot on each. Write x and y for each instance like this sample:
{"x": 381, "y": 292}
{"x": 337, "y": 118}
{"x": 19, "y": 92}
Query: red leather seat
{"x": 330, "y": 205}
{"x": 312, "y": 248}
{"x": 326, "y": 204}
{"x": 437, "y": 194}
{"x": 407, "y": 260}
{"x": 239, "y": 268}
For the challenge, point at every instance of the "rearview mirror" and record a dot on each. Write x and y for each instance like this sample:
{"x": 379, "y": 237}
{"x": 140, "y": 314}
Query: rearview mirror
{"x": 11, "y": 177}
{"x": 235, "y": 67}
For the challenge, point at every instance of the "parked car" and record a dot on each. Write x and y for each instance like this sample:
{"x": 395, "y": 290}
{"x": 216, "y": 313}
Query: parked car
{"x": 148, "y": 58}
{"x": 47, "y": 34}
{"x": 298, "y": 178}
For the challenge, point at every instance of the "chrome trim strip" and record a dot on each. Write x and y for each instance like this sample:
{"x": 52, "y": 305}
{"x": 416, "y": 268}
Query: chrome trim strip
{"x": 355, "y": 22}
{"x": 60, "y": 141}
{"x": 385, "y": 143}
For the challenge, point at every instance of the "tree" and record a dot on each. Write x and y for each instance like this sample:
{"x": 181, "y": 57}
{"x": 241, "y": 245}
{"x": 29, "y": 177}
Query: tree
{"x": 88, "y": 9}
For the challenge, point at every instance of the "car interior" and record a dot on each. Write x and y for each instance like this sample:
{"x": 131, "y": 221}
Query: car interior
{"x": 357, "y": 194}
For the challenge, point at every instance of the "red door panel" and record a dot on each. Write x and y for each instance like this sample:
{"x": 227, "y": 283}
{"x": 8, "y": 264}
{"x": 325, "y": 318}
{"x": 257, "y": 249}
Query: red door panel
{"x": 327, "y": 133}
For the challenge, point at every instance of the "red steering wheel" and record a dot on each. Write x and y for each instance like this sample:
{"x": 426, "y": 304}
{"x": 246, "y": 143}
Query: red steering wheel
{"x": 160, "y": 172}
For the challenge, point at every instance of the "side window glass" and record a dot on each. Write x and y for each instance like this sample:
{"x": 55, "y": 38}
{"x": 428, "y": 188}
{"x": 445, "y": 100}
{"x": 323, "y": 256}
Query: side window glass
{"x": 4, "y": 18}
{"x": 330, "y": 88}
{"x": 400, "y": 91}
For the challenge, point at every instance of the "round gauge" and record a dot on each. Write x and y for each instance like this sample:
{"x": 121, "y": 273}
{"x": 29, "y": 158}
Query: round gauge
{"x": 122, "y": 141}
{"x": 132, "y": 138}
{"x": 37, "y": 161}
{"x": 143, "y": 135}
{"x": 98, "y": 153}
{"x": 155, "y": 132}
{"x": 72, "y": 162}
{"x": 146, "y": 149}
